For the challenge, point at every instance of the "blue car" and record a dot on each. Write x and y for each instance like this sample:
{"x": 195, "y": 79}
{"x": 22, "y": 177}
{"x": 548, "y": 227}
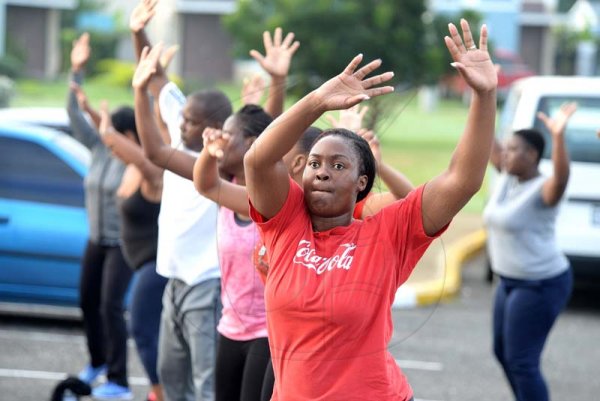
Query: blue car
{"x": 43, "y": 223}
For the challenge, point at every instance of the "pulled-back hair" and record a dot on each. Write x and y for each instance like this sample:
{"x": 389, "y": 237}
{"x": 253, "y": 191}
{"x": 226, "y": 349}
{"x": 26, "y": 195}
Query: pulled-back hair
{"x": 366, "y": 163}
{"x": 214, "y": 106}
{"x": 534, "y": 139}
{"x": 252, "y": 120}
{"x": 123, "y": 119}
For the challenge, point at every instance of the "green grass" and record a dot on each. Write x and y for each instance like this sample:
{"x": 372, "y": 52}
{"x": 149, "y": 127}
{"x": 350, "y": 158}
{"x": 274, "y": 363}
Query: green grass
{"x": 416, "y": 142}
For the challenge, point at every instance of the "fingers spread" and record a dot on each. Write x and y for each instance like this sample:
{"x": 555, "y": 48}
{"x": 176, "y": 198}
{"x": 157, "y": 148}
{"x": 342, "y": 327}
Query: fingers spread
{"x": 268, "y": 43}
{"x": 288, "y": 40}
{"x": 467, "y": 35}
{"x": 257, "y": 56}
{"x": 483, "y": 38}
{"x": 367, "y": 69}
{"x": 456, "y": 38}
{"x": 380, "y": 91}
{"x": 353, "y": 64}
{"x": 378, "y": 79}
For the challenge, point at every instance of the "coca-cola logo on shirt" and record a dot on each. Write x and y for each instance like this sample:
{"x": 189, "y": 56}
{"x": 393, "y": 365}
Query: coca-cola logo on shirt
{"x": 307, "y": 256}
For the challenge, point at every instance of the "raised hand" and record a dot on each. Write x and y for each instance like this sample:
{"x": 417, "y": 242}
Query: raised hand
{"x": 105, "y": 125}
{"x": 350, "y": 119}
{"x": 142, "y": 13}
{"x": 352, "y": 87}
{"x": 147, "y": 66}
{"x": 215, "y": 141}
{"x": 168, "y": 55}
{"x": 80, "y": 54}
{"x": 278, "y": 54}
{"x": 557, "y": 124}
{"x": 473, "y": 64}
{"x": 373, "y": 141}
{"x": 253, "y": 90}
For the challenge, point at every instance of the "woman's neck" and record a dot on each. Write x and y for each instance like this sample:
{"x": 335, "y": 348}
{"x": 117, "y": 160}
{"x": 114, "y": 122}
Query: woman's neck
{"x": 320, "y": 224}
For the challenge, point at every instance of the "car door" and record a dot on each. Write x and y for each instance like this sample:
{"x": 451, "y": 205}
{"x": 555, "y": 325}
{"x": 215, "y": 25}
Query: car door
{"x": 43, "y": 224}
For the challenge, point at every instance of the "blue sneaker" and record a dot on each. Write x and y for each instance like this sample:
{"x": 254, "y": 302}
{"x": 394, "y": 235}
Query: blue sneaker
{"x": 112, "y": 391}
{"x": 90, "y": 374}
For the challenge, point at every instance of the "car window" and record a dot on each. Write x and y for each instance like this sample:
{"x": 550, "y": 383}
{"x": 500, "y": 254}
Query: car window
{"x": 30, "y": 172}
{"x": 581, "y": 139}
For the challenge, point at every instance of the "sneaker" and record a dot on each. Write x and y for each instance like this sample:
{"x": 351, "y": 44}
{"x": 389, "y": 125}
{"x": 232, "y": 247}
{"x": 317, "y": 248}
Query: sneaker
{"x": 69, "y": 396}
{"x": 112, "y": 391}
{"x": 90, "y": 374}
{"x": 151, "y": 396}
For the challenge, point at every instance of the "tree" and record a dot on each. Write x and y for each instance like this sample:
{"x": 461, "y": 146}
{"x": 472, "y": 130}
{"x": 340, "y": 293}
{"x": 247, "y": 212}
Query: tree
{"x": 331, "y": 32}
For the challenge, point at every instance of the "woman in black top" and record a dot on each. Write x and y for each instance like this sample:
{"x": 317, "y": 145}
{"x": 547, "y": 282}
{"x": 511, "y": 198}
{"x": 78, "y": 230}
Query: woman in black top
{"x": 139, "y": 199}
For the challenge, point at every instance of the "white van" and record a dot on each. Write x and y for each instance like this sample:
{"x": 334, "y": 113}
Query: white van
{"x": 578, "y": 223}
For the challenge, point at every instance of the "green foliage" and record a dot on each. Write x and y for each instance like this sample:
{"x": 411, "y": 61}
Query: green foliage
{"x": 119, "y": 73}
{"x": 332, "y": 32}
{"x": 11, "y": 66}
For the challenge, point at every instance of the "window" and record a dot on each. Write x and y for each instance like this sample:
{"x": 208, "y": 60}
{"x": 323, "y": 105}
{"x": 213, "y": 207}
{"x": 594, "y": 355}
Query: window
{"x": 31, "y": 172}
{"x": 582, "y": 142}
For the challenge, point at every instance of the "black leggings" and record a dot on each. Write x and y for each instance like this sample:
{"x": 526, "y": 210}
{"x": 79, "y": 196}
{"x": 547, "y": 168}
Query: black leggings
{"x": 240, "y": 369}
{"x": 105, "y": 278}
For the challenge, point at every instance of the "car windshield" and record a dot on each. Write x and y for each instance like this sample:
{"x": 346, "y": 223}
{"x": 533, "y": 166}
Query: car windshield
{"x": 581, "y": 139}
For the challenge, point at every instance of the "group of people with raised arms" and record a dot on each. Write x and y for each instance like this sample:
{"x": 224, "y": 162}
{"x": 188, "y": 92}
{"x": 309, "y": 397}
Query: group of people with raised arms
{"x": 266, "y": 268}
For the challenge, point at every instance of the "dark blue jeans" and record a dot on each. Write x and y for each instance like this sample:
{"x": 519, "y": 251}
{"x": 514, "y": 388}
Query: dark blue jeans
{"x": 146, "y": 308}
{"x": 524, "y": 313}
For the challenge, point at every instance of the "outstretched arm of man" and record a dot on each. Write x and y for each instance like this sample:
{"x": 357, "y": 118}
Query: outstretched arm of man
{"x": 160, "y": 153}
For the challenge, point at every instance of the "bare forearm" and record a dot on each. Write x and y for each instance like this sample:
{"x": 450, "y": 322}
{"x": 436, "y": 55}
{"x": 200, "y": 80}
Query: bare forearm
{"x": 283, "y": 133}
{"x": 130, "y": 153}
{"x": 396, "y": 182}
{"x": 152, "y": 143}
{"x": 473, "y": 151}
{"x": 276, "y": 98}
{"x": 140, "y": 40}
{"x": 94, "y": 115}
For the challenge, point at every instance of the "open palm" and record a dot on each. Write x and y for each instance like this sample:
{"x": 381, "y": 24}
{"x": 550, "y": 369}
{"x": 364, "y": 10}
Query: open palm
{"x": 142, "y": 13}
{"x": 557, "y": 124}
{"x": 278, "y": 53}
{"x": 80, "y": 54}
{"x": 474, "y": 64}
{"x": 350, "y": 87}
{"x": 147, "y": 66}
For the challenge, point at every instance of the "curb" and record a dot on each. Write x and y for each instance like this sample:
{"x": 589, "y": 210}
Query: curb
{"x": 445, "y": 287}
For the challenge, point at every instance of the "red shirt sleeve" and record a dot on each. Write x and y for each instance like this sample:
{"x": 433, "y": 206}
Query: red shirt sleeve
{"x": 359, "y": 207}
{"x": 282, "y": 227}
{"x": 402, "y": 222}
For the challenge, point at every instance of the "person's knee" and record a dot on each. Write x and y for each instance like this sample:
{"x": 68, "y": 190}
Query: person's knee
{"x": 522, "y": 366}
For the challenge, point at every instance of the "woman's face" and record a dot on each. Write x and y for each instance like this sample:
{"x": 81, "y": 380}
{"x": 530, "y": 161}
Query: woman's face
{"x": 331, "y": 180}
{"x": 519, "y": 157}
{"x": 236, "y": 148}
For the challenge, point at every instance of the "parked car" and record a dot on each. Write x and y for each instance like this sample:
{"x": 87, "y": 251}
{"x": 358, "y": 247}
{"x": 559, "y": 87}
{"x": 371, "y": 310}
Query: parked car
{"x": 43, "y": 223}
{"x": 50, "y": 117}
{"x": 511, "y": 69}
{"x": 578, "y": 222}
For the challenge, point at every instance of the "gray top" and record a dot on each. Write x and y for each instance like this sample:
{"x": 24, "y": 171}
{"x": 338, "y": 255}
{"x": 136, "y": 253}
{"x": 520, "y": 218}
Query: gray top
{"x": 103, "y": 178}
{"x": 521, "y": 235}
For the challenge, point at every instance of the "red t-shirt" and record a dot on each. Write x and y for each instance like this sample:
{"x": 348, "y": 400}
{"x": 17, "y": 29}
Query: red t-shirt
{"x": 329, "y": 295}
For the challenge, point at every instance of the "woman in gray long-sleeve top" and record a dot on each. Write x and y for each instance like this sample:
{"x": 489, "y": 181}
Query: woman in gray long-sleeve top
{"x": 105, "y": 274}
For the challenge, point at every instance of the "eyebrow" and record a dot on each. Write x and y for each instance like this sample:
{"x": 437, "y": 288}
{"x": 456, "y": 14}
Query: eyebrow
{"x": 335, "y": 156}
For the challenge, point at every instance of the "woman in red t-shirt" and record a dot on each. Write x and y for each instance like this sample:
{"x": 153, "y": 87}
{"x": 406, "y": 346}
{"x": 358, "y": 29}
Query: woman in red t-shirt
{"x": 332, "y": 279}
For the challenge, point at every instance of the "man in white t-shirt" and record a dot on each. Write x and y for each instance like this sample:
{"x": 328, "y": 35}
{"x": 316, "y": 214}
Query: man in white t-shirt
{"x": 187, "y": 248}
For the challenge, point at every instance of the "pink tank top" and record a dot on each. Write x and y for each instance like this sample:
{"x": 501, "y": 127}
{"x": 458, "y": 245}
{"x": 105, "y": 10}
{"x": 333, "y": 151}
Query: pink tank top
{"x": 242, "y": 291}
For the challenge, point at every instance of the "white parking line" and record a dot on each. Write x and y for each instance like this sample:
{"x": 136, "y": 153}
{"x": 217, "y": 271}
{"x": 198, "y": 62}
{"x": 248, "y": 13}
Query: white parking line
{"x": 47, "y": 337}
{"x": 420, "y": 365}
{"x": 55, "y": 376}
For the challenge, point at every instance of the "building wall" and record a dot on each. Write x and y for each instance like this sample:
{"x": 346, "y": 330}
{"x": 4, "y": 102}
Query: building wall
{"x": 27, "y": 29}
{"x": 205, "y": 49}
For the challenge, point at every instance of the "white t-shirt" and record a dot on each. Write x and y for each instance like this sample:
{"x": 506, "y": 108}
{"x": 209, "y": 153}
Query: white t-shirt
{"x": 187, "y": 224}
